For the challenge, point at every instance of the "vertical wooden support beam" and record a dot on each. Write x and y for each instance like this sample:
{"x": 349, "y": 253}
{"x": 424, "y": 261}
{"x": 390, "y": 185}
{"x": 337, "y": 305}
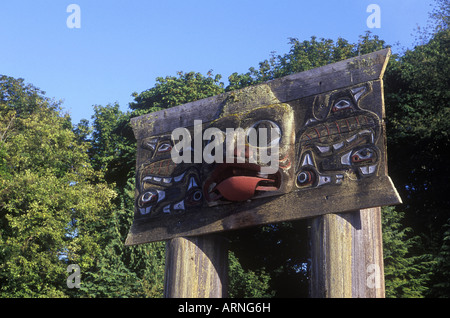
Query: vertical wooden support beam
{"x": 347, "y": 255}
{"x": 196, "y": 267}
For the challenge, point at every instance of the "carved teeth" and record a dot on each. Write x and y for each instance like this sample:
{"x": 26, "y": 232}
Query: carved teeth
{"x": 352, "y": 138}
{"x": 323, "y": 149}
{"x": 310, "y": 121}
{"x": 145, "y": 210}
{"x": 324, "y": 180}
{"x": 166, "y": 180}
{"x": 211, "y": 187}
{"x": 178, "y": 178}
{"x": 368, "y": 169}
{"x": 357, "y": 92}
{"x": 338, "y": 145}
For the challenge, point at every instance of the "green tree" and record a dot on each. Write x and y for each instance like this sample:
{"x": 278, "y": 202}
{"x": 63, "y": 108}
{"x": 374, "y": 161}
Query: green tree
{"x": 441, "y": 272}
{"x": 278, "y": 250}
{"x": 122, "y": 271}
{"x": 418, "y": 119}
{"x": 418, "y": 125}
{"x": 173, "y": 91}
{"x": 406, "y": 275}
{"x": 51, "y": 211}
{"x": 303, "y": 56}
{"x": 246, "y": 284}
{"x": 113, "y": 146}
{"x": 119, "y": 271}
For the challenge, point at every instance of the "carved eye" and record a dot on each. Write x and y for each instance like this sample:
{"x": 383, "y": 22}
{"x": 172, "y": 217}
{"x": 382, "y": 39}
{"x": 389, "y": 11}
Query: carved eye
{"x": 341, "y": 105}
{"x": 194, "y": 197}
{"x": 197, "y": 195}
{"x": 256, "y": 133}
{"x": 364, "y": 154}
{"x": 306, "y": 177}
{"x": 149, "y": 196}
{"x": 150, "y": 144}
{"x": 164, "y": 147}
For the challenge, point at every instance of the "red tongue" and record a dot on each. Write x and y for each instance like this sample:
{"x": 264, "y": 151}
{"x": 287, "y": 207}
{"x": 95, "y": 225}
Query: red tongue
{"x": 241, "y": 188}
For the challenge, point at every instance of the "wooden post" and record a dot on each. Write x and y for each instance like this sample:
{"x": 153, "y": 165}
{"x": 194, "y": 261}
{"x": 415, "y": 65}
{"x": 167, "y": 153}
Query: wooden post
{"x": 196, "y": 267}
{"x": 347, "y": 255}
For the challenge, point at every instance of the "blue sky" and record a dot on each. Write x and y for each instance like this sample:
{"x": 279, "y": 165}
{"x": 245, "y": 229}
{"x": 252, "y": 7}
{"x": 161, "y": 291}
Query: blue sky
{"x": 122, "y": 46}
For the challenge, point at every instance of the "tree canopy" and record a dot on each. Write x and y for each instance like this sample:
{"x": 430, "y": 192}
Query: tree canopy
{"x": 51, "y": 211}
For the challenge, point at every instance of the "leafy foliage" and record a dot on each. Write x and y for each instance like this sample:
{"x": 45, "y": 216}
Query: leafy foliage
{"x": 406, "y": 275}
{"x": 304, "y": 56}
{"x": 246, "y": 284}
{"x": 112, "y": 145}
{"x": 441, "y": 271}
{"x": 51, "y": 211}
{"x": 173, "y": 91}
{"x": 418, "y": 112}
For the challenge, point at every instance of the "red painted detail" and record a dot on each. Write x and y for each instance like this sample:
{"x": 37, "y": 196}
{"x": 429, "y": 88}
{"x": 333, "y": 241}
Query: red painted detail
{"x": 242, "y": 188}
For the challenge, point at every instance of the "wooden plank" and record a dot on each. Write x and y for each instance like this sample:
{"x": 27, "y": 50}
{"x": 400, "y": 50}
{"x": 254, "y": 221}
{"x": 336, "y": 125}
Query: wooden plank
{"x": 330, "y": 77}
{"x": 347, "y": 255}
{"x": 332, "y": 154}
{"x": 196, "y": 267}
{"x": 367, "y": 252}
{"x": 294, "y": 205}
{"x": 331, "y": 267}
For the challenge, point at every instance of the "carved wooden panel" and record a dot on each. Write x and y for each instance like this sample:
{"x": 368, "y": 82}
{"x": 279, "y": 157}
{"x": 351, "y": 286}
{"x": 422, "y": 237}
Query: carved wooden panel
{"x": 323, "y": 152}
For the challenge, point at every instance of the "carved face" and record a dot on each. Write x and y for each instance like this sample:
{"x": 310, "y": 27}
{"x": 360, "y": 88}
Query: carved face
{"x": 163, "y": 186}
{"x": 337, "y": 141}
{"x": 249, "y": 175}
{"x": 262, "y": 155}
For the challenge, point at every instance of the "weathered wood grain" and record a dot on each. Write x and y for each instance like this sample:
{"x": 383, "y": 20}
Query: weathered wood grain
{"x": 196, "y": 267}
{"x": 294, "y": 205}
{"x": 347, "y": 255}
